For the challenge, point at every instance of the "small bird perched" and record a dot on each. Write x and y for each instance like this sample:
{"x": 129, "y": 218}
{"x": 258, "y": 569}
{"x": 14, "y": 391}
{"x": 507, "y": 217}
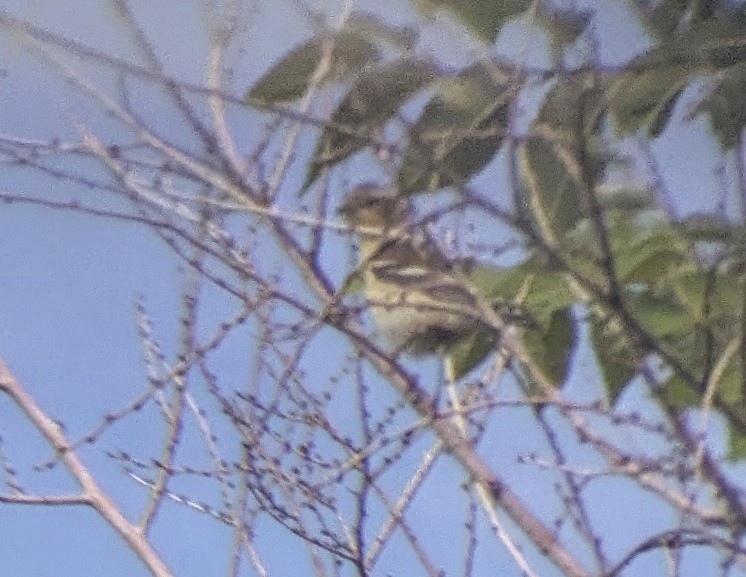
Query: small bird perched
{"x": 416, "y": 297}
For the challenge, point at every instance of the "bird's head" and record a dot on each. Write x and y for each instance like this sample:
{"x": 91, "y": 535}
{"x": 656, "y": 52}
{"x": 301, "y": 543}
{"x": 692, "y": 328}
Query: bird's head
{"x": 374, "y": 206}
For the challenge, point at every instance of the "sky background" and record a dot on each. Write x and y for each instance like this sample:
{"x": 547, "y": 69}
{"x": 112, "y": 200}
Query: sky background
{"x": 69, "y": 284}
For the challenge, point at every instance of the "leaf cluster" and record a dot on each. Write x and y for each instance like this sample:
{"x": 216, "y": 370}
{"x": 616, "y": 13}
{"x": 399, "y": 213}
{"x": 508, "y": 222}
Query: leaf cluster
{"x": 648, "y": 288}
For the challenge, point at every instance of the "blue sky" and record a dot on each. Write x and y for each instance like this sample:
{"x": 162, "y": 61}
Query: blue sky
{"x": 68, "y": 325}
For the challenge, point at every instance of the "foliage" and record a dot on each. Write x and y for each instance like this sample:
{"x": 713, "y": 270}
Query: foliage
{"x": 646, "y": 281}
{"x": 522, "y": 162}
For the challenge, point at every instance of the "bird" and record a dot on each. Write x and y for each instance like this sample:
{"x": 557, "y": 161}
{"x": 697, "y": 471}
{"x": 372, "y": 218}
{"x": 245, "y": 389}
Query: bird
{"x": 418, "y": 300}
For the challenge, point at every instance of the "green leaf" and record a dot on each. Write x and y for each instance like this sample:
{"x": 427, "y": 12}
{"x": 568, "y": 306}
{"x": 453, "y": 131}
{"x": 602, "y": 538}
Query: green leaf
{"x": 614, "y": 356}
{"x": 525, "y": 287}
{"x": 458, "y": 132}
{"x": 498, "y": 283}
{"x": 711, "y": 228}
{"x": 469, "y": 353}
{"x": 725, "y": 106}
{"x": 562, "y": 25}
{"x": 662, "y": 315}
{"x": 736, "y": 445}
{"x": 551, "y": 349}
{"x": 730, "y": 387}
{"x": 570, "y": 106}
{"x": 544, "y": 298}
{"x": 714, "y": 45}
{"x": 548, "y": 293}
{"x": 626, "y": 199}
{"x": 401, "y": 37}
{"x": 664, "y": 17}
{"x": 679, "y": 395}
{"x": 644, "y": 97}
{"x": 708, "y": 299}
{"x": 694, "y": 316}
{"x": 351, "y": 52}
{"x": 370, "y": 103}
{"x": 549, "y": 194}
{"x": 553, "y": 183}
{"x": 649, "y": 256}
{"x": 483, "y": 18}
{"x": 728, "y": 399}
